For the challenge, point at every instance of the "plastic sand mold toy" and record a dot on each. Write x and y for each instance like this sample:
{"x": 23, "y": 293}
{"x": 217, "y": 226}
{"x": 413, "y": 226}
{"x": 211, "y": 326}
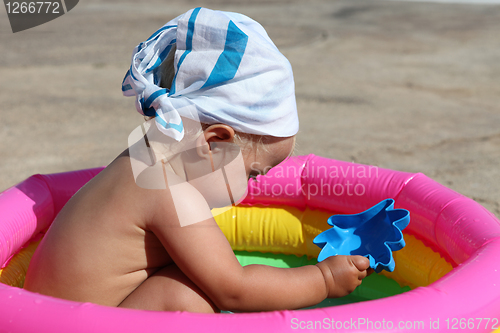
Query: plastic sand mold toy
{"x": 446, "y": 271}
{"x": 374, "y": 234}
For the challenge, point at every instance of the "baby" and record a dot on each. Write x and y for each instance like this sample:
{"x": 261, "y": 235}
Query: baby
{"x": 220, "y": 101}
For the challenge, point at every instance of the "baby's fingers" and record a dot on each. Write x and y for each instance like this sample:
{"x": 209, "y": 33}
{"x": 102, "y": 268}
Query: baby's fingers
{"x": 361, "y": 263}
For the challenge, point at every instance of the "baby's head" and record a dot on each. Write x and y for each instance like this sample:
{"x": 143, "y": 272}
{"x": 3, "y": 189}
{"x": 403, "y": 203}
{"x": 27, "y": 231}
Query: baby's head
{"x": 217, "y": 74}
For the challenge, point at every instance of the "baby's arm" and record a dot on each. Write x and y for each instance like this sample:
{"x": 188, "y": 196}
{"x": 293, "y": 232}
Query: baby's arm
{"x": 281, "y": 288}
{"x": 204, "y": 255}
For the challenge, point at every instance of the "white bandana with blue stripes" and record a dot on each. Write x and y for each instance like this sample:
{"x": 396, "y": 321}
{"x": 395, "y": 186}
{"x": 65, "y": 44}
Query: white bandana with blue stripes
{"x": 227, "y": 70}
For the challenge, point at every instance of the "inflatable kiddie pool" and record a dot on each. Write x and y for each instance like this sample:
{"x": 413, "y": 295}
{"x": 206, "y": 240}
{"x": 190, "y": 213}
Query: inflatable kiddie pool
{"x": 449, "y": 262}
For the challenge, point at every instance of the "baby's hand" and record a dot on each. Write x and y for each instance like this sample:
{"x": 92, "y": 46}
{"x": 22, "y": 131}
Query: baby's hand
{"x": 343, "y": 274}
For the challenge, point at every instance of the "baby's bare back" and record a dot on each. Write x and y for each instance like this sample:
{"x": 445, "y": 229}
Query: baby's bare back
{"x": 98, "y": 249}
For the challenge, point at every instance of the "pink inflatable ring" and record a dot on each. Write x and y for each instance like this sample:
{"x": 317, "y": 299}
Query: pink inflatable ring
{"x": 461, "y": 230}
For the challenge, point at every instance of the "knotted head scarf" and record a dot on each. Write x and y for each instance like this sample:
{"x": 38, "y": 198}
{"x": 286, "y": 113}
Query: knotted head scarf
{"x": 227, "y": 70}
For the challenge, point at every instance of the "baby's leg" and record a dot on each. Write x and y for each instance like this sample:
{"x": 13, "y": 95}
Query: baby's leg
{"x": 169, "y": 290}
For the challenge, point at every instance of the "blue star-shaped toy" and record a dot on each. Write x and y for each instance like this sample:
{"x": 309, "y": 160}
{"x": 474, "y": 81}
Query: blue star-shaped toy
{"x": 374, "y": 234}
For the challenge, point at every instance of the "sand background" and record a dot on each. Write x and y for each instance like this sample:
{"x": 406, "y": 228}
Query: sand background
{"x": 410, "y": 86}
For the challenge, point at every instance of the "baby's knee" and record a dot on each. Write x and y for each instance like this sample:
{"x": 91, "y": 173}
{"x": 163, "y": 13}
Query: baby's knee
{"x": 192, "y": 302}
{"x": 169, "y": 290}
{"x": 181, "y": 294}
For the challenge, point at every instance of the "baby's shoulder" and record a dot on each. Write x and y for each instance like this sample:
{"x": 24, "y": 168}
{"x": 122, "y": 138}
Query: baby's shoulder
{"x": 137, "y": 192}
{"x": 164, "y": 196}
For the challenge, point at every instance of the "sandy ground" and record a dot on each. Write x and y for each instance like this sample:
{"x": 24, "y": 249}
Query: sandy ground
{"x": 401, "y": 85}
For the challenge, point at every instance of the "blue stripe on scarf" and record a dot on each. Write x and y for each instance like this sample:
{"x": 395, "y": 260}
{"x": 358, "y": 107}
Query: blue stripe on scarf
{"x": 160, "y": 58}
{"x": 164, "y": 124}
{"x": 190, "y": 32}
{"x": 189, "y": 44}
{"x": 148, "y": 112}
{"x": 151, "y": 112}
{"x": 157, "y": 32}
{"x": 230, "y": 59}
{"x": 126, "y": 87}
{"x": 152, "y": 98}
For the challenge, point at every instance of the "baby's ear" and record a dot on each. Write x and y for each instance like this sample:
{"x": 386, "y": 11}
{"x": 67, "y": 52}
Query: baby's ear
{"x": 213, "y": 135}
{"x": 203, "y": 151}
{"x": 219, "y": 133}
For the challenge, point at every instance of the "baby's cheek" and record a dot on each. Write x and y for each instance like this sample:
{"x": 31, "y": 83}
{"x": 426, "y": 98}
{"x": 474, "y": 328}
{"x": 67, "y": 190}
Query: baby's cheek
{"x": 237, "y": 178}
{"x": 225, "y": 186}
{"x": 213, "y": 188}
{"x": 239, "y": 196}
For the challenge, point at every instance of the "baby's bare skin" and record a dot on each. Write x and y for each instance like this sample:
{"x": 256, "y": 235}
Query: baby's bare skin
{"x": 117, "y": 244}
{"x": 100, "y": 248}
